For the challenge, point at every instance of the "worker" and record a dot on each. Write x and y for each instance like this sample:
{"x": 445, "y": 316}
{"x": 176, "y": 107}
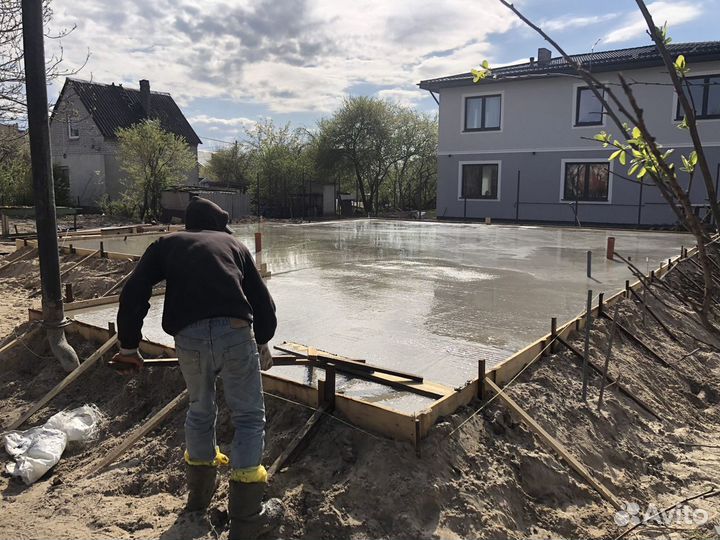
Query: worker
{"x": 222, "y": 317}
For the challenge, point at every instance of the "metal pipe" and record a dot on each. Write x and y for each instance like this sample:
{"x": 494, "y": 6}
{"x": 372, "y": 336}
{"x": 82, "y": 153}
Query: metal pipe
{"x": 37, "y": 104}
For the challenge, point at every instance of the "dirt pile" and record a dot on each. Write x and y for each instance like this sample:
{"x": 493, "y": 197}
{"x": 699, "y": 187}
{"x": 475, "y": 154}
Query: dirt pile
{"x": 488, "y": 477}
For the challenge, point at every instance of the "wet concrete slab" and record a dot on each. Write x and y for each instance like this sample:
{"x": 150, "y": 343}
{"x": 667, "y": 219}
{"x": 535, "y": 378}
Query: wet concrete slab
{"x": 426, "y": 297}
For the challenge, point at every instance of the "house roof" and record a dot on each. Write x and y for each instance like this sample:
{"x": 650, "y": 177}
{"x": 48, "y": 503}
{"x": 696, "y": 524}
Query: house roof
{"x": 114, "y": 106}
{"x": 618, "y": 59}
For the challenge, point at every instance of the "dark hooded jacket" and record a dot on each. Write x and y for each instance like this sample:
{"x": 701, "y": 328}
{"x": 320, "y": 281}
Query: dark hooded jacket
{"x": 208, "y": 273}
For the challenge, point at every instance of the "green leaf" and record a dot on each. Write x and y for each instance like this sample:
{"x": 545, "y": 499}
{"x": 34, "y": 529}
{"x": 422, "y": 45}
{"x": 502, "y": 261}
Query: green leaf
{"x": 615, "y": 154}
{"x": 636, "y": 133}
{"x": 642, "y": 172}
{"x": 478, "y": 75}
{"x": 485, "y": 64}
{"x": 623, "y": 157}
{"x": 693, "y": 158}
{"x": 634, "y": 167}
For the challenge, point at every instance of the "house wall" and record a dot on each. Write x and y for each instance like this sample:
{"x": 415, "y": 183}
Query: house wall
{"x": 84, "y": 156}
{"x": 537, "y": 134}
{"x": 92, "y": 160}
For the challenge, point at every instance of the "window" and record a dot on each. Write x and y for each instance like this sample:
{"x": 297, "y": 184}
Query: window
{"x": 479, "y": 181}
{"x": 588, "y": 108}
{"x": 482, "y": 113}
{"x": 73, "y": 130}
{"x": 704, "y": 96}
{"x": 586, "y": 181}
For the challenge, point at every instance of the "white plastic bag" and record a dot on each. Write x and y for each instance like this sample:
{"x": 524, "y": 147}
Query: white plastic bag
{"x": 35, "y": 451}
{"x": 79, "y": 424}
{"x": 38, "y": 449}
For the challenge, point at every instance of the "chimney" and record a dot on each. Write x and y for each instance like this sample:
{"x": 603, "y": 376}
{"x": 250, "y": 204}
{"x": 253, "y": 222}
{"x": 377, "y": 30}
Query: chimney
{"x": 544, "y": 56}
{"x": 145, "y": 96}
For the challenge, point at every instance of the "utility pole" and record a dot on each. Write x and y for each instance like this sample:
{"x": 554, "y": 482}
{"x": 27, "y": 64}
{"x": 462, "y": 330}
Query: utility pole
{"x": 54, "y": 319}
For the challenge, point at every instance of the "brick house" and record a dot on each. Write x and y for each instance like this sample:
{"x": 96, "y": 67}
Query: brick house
{"x": 82, "y": 132}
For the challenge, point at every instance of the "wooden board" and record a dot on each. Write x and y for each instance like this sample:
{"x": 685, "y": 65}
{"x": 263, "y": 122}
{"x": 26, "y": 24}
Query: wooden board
{"x": 300, "y": 436}
{"x": 427, "y": 388}
{"x": 143, "y": 430}
{"x": 554, "y": 444}
{"x": 74, "y": 375}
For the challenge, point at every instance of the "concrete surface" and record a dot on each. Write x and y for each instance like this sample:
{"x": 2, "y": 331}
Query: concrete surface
{"x": 426, "y": 297}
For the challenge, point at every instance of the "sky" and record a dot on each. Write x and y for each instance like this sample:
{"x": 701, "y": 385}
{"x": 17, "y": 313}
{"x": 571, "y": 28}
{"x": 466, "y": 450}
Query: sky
{"x": 231, "y": 63}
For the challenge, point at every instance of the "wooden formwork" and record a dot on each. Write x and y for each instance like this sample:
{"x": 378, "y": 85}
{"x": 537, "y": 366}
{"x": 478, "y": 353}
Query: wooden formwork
{"x": 398, "y": 425}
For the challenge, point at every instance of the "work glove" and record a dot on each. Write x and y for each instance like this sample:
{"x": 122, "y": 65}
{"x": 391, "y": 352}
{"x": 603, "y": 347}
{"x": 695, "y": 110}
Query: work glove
{"x": 266, "y": 361}
{"x": 127, "y": 363}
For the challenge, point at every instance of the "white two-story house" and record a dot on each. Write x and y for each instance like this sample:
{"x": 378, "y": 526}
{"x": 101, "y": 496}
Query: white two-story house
{"x": 518, "y": 145}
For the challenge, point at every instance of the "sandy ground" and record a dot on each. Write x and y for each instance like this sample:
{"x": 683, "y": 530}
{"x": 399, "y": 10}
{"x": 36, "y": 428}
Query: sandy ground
{"x": 491, "y": 478}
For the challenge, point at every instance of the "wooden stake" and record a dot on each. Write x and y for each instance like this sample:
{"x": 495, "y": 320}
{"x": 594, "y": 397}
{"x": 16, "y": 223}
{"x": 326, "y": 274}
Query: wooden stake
{"x": 69, "y": 293}
{"x": 102, "y": 251}
{"x": 417, "y": 437}
{"x": 481, "y": 381}
{"x": 553, "y": 334}
{"x": 556, "y": 445}
{"x": 295, "y": 443}
{"x": 143, "y": 430}
{"x": 328, "y": 396}
{"x": 601, "y": 300}
{"x": 82, "y": 368}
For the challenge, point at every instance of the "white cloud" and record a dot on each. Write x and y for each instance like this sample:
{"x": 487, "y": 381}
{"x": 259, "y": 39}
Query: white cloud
{"x": 565, "y": 23}
{"x": 674, "y": 13}
{"x": 288, "y": 55}
{"x": 406, "y": 98}
{"x": 203, "y": 119}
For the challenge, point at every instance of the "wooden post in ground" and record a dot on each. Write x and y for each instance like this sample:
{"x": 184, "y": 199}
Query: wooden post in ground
{"x": 102, "y": 251}
{"x": 601, "y": 304}
{"x": 69, "y": 293}
{"x": 627, "y": 288}
{"x": 481, "y": 381}
{"x": 610, "y": 250}
{"x": 553, "y": 334}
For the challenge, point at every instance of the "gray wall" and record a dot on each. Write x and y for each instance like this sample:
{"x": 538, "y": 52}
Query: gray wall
{"x": 537, "y": 134}
{"x": 85, "y": 156}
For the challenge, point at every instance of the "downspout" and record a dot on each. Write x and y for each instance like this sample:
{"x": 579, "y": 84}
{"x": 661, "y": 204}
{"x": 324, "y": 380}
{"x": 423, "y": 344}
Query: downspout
{"x": 54, "y": 320}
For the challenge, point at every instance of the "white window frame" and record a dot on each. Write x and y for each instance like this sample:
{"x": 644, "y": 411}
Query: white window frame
{"x": 675, "y": 99}
{"x": 464, "y": 97}
{"x": 460, "y": 174}
{"x": 611, "y": 167}
{"x": 70, "y": 125}
{"x": 573, "y": 125}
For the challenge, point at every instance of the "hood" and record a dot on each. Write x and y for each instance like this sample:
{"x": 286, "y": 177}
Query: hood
{"x": 202, "y": 214}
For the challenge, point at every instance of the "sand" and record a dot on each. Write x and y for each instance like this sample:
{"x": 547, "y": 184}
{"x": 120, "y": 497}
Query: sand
{"x": 492, "y": 478}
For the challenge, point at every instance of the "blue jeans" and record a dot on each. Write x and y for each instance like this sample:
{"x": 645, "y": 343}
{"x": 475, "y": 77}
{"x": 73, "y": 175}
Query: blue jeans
{"x": 213, "y": 347}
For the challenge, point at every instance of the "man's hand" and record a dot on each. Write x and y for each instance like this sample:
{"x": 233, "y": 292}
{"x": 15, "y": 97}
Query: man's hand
{"x": 266, "y": 361}
{"x": 127, "y": 364}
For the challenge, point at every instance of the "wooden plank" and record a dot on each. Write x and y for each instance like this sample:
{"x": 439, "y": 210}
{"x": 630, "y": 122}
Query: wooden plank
{"x": 555, "y": 445}
{"x": 77, "y": 372}
{"x": 28, "y": 255}
{"x": 347, "y": 366}
{"x": 377, "y": 418}
{"x": 300, "y": 437}
{"x": 81, "y": 261}
{"x": 633, "y": 338}
{"x": 117, "y": 284}
{"x": 17, "y": 340}
{"x": 143, "y": 430}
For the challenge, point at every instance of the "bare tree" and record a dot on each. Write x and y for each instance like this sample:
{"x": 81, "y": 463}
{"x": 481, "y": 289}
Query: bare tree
{"x": 12, "y": 69}
{"x": 648, "y": 157}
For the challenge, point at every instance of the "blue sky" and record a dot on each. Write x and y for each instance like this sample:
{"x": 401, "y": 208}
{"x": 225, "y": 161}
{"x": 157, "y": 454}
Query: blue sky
{"x": 230, "y": 63}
